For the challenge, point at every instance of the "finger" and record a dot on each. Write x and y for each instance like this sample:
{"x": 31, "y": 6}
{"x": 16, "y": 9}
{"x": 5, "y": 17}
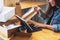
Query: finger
{"x": 36, "y": 26}
{"x": 35, "y": 7}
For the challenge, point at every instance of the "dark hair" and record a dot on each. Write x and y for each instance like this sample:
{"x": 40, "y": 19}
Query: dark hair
{"x": 57, "y": 2}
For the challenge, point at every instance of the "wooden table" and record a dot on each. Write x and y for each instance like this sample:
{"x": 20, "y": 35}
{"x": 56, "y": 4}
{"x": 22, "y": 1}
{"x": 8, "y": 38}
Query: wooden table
{"x": 45, "y": 34}
{"x": 40, "y": 35}
{"x": 27, "y": 4}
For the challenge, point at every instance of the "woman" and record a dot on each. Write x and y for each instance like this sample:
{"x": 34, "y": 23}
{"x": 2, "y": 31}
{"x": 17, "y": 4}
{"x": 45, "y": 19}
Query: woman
{"x": 53, "y": 16}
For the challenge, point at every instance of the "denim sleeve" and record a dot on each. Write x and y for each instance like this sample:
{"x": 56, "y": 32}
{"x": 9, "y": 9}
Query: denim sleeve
{"x": 44, "y": 20}
{"x": 42, "y": 15}
{"x": 56, "y": 27}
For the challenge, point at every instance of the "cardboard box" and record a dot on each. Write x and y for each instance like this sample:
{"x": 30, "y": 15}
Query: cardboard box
{"x": 8, "y": 31}
{"x": 28, "y": 15}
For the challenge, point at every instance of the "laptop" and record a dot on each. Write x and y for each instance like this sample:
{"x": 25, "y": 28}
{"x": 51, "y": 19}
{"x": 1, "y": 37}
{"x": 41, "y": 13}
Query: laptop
{"x": 25, "y": 26}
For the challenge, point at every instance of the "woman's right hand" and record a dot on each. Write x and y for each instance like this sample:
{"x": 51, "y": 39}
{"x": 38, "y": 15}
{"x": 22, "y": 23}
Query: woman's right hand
{"x": 35, "y": 8}
{"x": 38, "y": 9}
{"x": 43, "y": 26}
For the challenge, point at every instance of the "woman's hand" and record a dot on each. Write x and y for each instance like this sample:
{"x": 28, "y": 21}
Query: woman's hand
{"x": 40, "y": 25}
{"x": 44, "y": 26}
{"x": 37, "y": 25}
{"x": 36, "y": 8}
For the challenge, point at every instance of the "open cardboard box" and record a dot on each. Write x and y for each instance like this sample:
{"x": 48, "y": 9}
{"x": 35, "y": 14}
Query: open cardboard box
{"x": 8, "y": 33}
{"x": 5, "y": 15}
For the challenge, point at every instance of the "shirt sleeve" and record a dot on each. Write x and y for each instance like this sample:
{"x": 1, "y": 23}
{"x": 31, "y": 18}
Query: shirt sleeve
{"x": 42, "y": 15}
{"x": 56, "y": 27}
